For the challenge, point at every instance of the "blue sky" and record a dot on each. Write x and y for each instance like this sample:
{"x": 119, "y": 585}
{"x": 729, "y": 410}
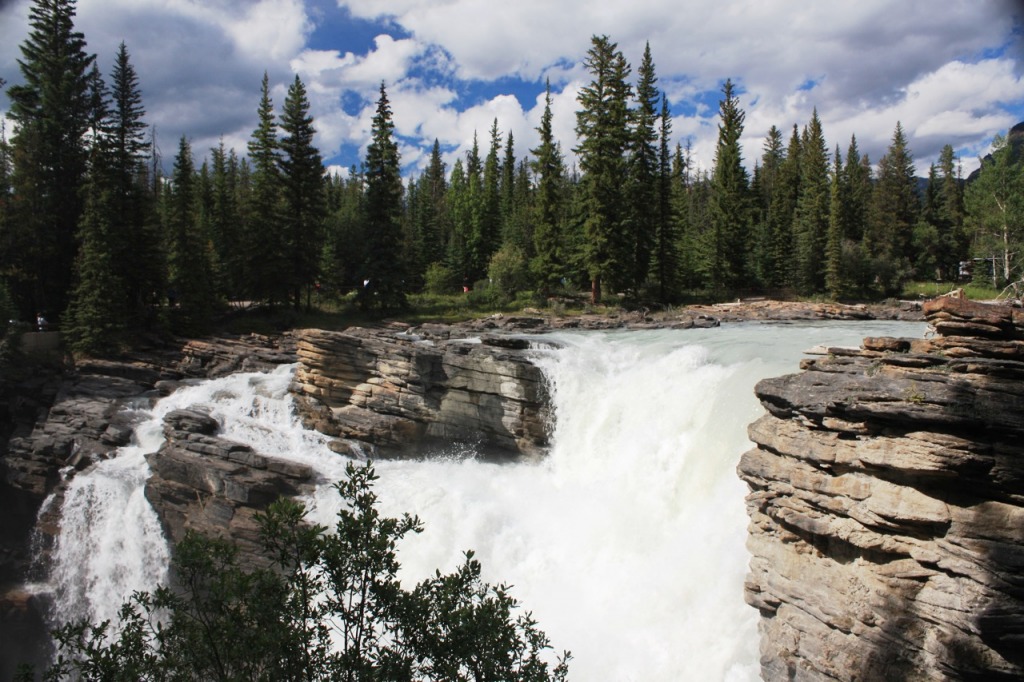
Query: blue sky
{"x": 950, "y": 72}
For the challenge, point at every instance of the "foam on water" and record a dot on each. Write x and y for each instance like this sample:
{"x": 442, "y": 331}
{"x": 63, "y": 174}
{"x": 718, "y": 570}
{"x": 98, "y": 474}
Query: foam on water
{"x": 626, "y": 542}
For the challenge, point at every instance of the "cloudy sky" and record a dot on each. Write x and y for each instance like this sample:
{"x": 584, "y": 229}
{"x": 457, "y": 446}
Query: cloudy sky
{"x": 950, "y": 71}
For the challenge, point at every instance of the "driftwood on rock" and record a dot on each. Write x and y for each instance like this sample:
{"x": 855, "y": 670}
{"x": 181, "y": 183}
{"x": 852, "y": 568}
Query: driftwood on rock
{"x": 886, "y": 506}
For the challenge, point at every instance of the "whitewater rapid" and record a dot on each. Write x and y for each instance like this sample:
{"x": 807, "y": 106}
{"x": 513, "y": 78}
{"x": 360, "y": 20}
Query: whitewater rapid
{"x": 626, "y": 542}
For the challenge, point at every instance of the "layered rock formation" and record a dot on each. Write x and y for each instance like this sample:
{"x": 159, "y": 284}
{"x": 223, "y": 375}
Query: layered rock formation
{"x": 887, "y": 506}
{"x": 205, "y": 483}
{"x": 395, "y": 391}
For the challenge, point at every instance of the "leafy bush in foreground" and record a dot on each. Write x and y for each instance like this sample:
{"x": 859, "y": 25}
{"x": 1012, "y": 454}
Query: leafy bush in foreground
{"x": 328, "y": 606}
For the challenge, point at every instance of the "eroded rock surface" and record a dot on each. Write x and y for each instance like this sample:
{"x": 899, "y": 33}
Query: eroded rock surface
{"x": 887, "y": 506}
{"x": 212, "y": 485}
{"x": 395, "y": 390}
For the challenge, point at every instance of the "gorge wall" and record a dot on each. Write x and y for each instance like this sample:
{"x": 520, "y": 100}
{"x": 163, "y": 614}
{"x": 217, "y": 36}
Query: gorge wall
{"x": 886, "y": 506}
{"x": 397, "y": 390}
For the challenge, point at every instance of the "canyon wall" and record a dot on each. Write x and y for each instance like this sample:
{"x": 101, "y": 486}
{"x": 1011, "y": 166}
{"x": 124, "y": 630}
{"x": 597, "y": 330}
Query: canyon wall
{"x": 399, "y": 391}
{"x": 887, "y": 506}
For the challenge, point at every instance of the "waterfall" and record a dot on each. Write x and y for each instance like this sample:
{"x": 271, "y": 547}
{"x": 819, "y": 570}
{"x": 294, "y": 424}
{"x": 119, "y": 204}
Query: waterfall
{"x": 626, "y": 542}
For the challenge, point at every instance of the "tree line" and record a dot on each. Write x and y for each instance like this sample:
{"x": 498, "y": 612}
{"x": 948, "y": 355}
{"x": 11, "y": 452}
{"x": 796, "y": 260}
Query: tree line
{"x": 92, "y": 232}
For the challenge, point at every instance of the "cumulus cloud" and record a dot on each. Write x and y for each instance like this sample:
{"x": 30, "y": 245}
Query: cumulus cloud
{"x": 949, "y": 73}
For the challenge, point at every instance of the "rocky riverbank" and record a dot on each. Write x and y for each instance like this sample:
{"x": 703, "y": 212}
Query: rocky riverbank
{"x": 55, "y": 420}
{"x": 887, "y": 506}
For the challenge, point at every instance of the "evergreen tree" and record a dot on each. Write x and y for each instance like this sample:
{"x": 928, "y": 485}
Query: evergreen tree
{"x": 188, "y": 261}
{"x": 602, "y": 126}
{"x": 642, "y": 221}
{"x": 95, "y": 323}
{"x": 435, "y": 228}
{"x": 52, "y": 113}
{"x": 834, "y": 276}
{"x": 949, "y": 215}
{"x": 665, "y": 263}
{"x": 344, "y": 249}
{"x": 488, "y": 237}
{"x": 137, "y": 253}
{"x": 811, "y": 219}
{"x": 263, "y": 241}
{"x": 893, "y": 214}
{"x": 765, "y": 186}
{"x": 859, "y": 179}
{"x": 384, "y": 270}
{"x": 302, "y": 174}
{"x": 726, "y": 243}
{"x": 549, "y": 262}
{"x": 460, "y": 202}
{"x": 225, "y": 219}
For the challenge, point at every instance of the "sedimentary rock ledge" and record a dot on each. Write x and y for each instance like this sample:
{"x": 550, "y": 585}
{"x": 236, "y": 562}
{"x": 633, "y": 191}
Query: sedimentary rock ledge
{"x": 396, "y": 390}
{"x": 887, "y": 506}
{"x": 205, "y": 483}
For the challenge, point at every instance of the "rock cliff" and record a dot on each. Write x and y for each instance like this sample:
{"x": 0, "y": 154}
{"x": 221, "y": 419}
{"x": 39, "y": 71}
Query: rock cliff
{"x": 887, "y": 506}
{"x": 397, "y": 390}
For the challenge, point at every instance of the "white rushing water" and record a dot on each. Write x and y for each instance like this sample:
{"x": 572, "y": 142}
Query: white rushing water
{"x": 626, "y": 542}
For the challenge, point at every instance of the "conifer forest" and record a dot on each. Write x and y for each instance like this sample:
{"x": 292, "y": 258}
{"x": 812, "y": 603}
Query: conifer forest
{"x": 111, "y": 242}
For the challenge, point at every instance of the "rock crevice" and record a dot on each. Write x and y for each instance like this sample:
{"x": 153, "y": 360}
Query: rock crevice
{"x": 886, "y": 506}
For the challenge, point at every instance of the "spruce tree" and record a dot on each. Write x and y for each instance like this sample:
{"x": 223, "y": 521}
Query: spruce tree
{"x": 665, "y": 263}
{"x": 384, "y": 271}
{"x": 642, "y": 221}
{"x": 263, "y": 242}
{"x": 894, "y": 212}
{"x": 549, "y": 262}
{"x": 726, "y": 244}
{"x": 950, "y": 215}
{"x": 765, "y": 185}
{"x": 137, "y": 255}
{"x": 602, "y": 127}
{"x": 834, "y": 276}
{"x": 435, "y": 228}
{"x": 811, "y": 219}
{"x": 52, "y": 113}
{"x": 302, "y": 175}
{"x": 488, "y": 238}
{"x": 188, "y": 261}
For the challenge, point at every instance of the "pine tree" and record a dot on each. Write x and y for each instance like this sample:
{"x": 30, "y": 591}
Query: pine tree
{"x": 384, "y": 270}
{"x": 302, "y": 174}
{"x": 834, "y": 279}
{"x": 52, "y": 113}
{"x": 643, "y": 175}
{"x": 950, "y": 215}
{"x": 263, "y": 242}
{"x": 549, "y": 262}
{"x": 767, "y": 178}
{"x": 726, "y": 244}
{"x": 188, "y": 261}
{"x": 811, "y": 219}
{"x": 893, "y": 214}
{"x": 434, "y": 227}
{"x": 224, "y": 222}
{"x": 95, "y": 322}
{"x": 602, "y": 126}
{"x": 666, "y": 239}
{"x": 137, "y": 255}
{"x": 488, "y": 239}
